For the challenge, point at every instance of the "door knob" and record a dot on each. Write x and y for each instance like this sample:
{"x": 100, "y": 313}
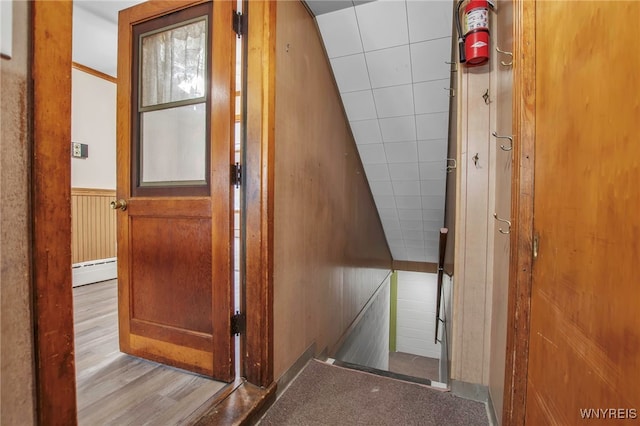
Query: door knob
{"x": 120, "y": 204}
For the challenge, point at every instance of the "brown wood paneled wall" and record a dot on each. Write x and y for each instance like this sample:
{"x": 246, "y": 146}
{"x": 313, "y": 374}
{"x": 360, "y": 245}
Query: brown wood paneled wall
{"x": 93, "y": 224}
{"x": 330, "y": 252}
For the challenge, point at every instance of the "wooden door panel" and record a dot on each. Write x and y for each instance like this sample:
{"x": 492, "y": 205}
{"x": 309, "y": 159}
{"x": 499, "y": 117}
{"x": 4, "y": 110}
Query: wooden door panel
{"x": 160, "y": 248}
{"x": 175, "y": 240}
{"x": 584, "y": 331}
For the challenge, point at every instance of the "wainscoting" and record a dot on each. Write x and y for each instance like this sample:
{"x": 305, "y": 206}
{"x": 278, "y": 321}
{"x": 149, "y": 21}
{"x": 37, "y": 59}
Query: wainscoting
{"x": 93, "y": 235}
{"x": 93, "y": 224}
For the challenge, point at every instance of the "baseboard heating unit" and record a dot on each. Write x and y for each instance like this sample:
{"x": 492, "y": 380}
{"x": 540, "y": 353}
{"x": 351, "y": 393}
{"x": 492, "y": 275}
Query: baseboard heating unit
{"x": 94, "y": 271}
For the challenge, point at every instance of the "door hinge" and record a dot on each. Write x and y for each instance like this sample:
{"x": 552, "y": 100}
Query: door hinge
{"x": 236, "y": 175}
{"x": 535, "y": 246}
{"x": 238, "y": 323}
{"x": 239, "y": 24}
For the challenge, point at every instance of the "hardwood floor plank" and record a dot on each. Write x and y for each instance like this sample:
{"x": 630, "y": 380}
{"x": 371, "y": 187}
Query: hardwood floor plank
{"x": 117, "y": 389}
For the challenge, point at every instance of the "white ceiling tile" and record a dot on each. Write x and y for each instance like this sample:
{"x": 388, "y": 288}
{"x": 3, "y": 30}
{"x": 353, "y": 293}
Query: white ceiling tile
{"x": 385, "y": 201}
{"x": 351, "y": 73}
{"x": 432, "y": 170}
{"x": 432, "y": 201}
{"x": 391, "y": 225}
{"x": 404, "y": 202}
{"x": 419, "y": 244}
{"x": 410, "y": 214}
{"x": 398, "y": 242}
{"x": 416, "y": 255}
{"x": 404, "y": 171}
{"x": 389, "y": 67}
{"x": 396, "y": 232}
{"x": 431, "y": 96}
{"x": 319, "y": 7}
{"x": 401, "y": 152}
{"x": 406, "y": 187}
{"x": 372, "y": 154}
{"x": 432, "y": 187}
{"x": 432, "y": 225}
{"x": 388, "y": 213}
{"x": 383, "y": 24}
{"x": 382, "y": 187}
{"x": 432, "y": 150}
{"x": 415, "y": 225}
{"x": 340, "y": 32}
{"x": 432, "y": 214}
{"x": 430, "y": 235}
{"x": 366, "y": 131}
{"x": 398, "y": 129}
{"x": 432, "y": 126}
{"x": 428, "y": 59}
{"x": 416, "y": 239}
{"x": 359, "y": 105}
{"x": 377, "y": 172}
{"x": 410, "y": 234}
{"x": 393, "y": 95}
{"x": 429, "y": 19}
{"x": 398, "y": 253}
{"x": 431, "y": 254}
{"x": 394, "y": 101}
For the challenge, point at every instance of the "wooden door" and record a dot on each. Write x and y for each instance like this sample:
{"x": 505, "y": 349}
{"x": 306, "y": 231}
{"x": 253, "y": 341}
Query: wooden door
{"x": 584, "y": 340}
{"x": 176, "y": 96}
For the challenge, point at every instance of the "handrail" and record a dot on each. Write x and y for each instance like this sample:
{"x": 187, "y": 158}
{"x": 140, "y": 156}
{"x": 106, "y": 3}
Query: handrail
{"x": 441, "y": 252}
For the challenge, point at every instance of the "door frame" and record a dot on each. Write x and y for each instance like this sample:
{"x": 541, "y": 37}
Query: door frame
{"x": 522, "y": 196}
{"x": 51, "y": 31}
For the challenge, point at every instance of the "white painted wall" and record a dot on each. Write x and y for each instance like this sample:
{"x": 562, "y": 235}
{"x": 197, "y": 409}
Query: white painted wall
{"x": 93, "y": 122}
{"x": 415, "y": 323}
{"x": 368, "y": 342}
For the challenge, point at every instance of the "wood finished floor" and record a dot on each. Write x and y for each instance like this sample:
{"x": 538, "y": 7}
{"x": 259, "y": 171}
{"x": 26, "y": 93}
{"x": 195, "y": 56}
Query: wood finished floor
{"x": 118, "y": 389}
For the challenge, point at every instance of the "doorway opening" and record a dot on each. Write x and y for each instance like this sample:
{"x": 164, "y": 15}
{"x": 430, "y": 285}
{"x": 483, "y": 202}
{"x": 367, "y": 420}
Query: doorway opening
{"x": 112, "y": 386}
{"x": 395, "y": 335}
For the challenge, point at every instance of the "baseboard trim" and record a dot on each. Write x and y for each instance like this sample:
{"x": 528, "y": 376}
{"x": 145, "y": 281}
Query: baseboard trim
{"x": 287, "y": 377}
{"x": 491, "y": 411}
{"x": 472, "y": 391}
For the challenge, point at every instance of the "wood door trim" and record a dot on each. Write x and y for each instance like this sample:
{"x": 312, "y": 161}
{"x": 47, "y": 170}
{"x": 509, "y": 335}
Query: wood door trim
{"x": 94, "y": 72}
{"x": 522, "y": 194}
{"x": 55, "y": 394}
{"x": 257, "y": 347}
{"x": 51, "y": 25}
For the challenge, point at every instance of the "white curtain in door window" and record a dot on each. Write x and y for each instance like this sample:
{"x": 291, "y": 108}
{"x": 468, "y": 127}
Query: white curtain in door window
{"x": 174, "y": 64}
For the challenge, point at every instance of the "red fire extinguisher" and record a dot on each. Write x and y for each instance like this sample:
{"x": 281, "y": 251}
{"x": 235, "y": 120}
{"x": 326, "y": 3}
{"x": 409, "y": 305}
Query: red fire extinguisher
{"x": 473, "y": 42}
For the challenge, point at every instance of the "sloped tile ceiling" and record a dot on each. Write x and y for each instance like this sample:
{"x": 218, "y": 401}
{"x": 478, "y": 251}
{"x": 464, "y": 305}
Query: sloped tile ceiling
{"x": 388, "y": 59}
{"x": 389, "y": 62}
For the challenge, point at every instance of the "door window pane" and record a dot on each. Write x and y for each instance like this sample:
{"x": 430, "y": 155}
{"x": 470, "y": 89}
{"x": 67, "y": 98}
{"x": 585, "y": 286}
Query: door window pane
{"x": 173, "y": 146}
{"x": 173, "y": 64}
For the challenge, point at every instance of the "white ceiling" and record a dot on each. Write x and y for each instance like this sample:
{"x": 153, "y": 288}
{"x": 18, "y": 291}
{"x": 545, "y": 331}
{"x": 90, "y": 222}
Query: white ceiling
{"x": 388, "y": 58}
{"x": 95, "y": 33}
{"x": 389, "y": 62}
